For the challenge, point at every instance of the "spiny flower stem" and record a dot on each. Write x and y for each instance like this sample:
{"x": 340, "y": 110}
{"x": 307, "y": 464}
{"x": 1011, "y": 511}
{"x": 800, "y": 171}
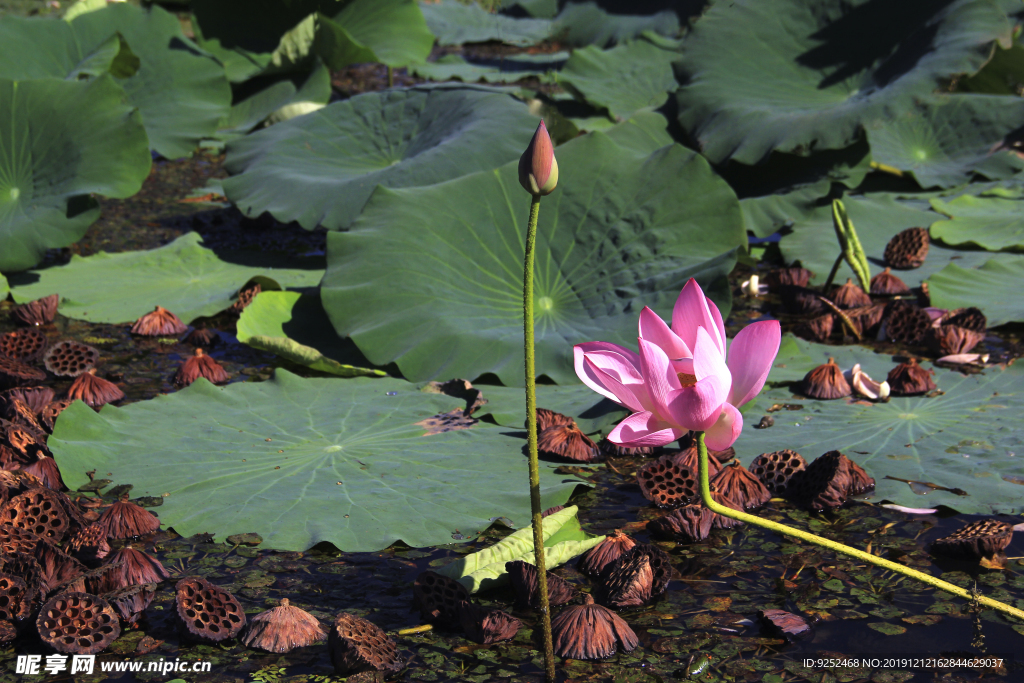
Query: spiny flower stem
{"x": 705, "y": 494}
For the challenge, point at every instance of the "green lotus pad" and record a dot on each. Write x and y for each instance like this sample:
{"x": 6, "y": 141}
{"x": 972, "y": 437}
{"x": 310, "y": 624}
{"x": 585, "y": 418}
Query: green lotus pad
{"x": 62, "y": 141}
{"x": 877, "y": 217}
{"x": 183, "y": 277}
{"x": 585, "y": 23}
{"x": 797, "y": 357}
{"x": 966, "y": 438}
{"x": 4, "y": 288}
{"x": 391, "y": 32}
{"x": 455, "y": 23}
{"x": 993, "y": 223}
{"x": 626, "y": 228}
{"x": 295, "y": 327}
{"x": 592, "y": 412}
{"x": 301, "y": 461}
{"x": 944, "y": 142}
{"x": 631, "y": 76}
{"x": 802, "y": 75}
{"x": 563, "y": 540}
{"x": 510, "y": 69}
{"x": 320, "y": 169}
{"x": 993, "y": 287}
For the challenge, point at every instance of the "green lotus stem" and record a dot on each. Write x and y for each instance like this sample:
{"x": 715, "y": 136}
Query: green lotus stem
{"x": 531, "y": 431}
{"x": 391, "y": 77}
{"x": 852, "y": 250}
{"x": 705, "y": 494}
{"x": 832, "y": 273}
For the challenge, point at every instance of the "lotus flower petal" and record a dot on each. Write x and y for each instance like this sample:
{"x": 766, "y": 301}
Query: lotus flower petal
{"x": 726, "y": 430}
{"x": 750, "y": 358}
{"x": 692, "y": 312}
{"x": 644, "y": 429}
{"x": 654, "y": 330}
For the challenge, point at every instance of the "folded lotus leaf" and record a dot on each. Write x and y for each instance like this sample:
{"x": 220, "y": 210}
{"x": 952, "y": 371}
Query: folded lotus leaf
{"x": 586, "y": 23}
{"x": 392, "y": 32}
{"x": 301, "y": 461}
{"x": 455, "y": 23}
{"x": 993, "y": 287}
{"x": 967, "y": 439}
{"x": 989, "y": 222}
{"x": 802, "y": 75}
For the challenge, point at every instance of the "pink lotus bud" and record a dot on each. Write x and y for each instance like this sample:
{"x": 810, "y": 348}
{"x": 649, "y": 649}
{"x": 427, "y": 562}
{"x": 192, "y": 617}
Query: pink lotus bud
{"x": 538, "y": 170}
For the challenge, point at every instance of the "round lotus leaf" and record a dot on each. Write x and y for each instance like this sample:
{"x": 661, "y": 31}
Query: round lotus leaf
{"x": 320, "y": 169}
{"x": 967, "y": 438}
{"x": 803, "y": 75}
{"x": 455, "y": 23}
{"x": 990, "y": 222}
{"x": 945, "y": 141}
{"x": 993, "y": 287}
{"x": 625, "y": 228}
{"x": 61, "y": 141}
{"x": 302, "y": 461}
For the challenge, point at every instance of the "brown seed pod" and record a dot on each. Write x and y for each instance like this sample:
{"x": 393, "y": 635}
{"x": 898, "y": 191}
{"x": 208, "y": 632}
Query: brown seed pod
{"x": 689, "y": 458}
{"x": 14, "y": 373}
{"x": 860, "y": 482}
{"x": 907, "y": 249}
{"x": 282, "y": 629}
{"x": 51, "y": 412}
{"x": 967, "y": 318}
{"x": 46, "y": 469}
{"x": 783, "y": 624}
{"x": 590, "y": 631}
{"x": 793, "y": 276}
{"x": 39, "y": 511}
{"x": 130, "y": 602}
{"x": 202, "y": 336}
{"x": 95, "y": 391}
{"x": 78, "y": 623}
{"x": 38, "y": 312}
{"x": 817, "y": 329}
{"x": 16, "y": 540}
{"x": 15, "y": 483}
{"x": 617, "y": 451}
{"x": 125, "y": 519}
{"x": 825, "y": 483}
{"x": 742, "y": 487}
{"x": 69, "y": 358}
{"x": 25, "y": 345}
{"x": 850, "y": 295}
{"x": 437, "y": 598}
{"x": 910, "y": 379}
{"x": 627, "y": 583}
{"x": 245, "y": 297}
{"x": 801, "y": 301}
{"x": 20, "y": 445}
{"x": 129, "y": 567}
{"x": 983, "y": 538}
{"x": 826, "y": 382}
{"x": 359, "y": 645}
{"x": 947, "y": 340}
{"x": 905, "y": 323}
{"x": 19, "y": 413}
{"x": 159, "y": 323}
{"x": 58, "y": 570}
{"x": 90, "y": 545}
{"x": 200, "y": 365}
{"x": 721, "y": 456}
{"x": 12, "y": 595}
{"x": 777, "y": 468}
{"x": 25, "y": 567}
{"x": 887, "y": 284}
{"x": 524, "y": 580}
{"x": 688, "y": 524}
{"x": 665, "y": 484}
{"x": 721, "y": 521}
{"x": 207, "y": 612}
{"x": 593, "y": 562}
{"x": 484, "y": 626}
{"x": 869, "y": 318}
{"x": 36, "y": 398}
{"x": 8, "y": 632}
{"x": 567, "y": 441}
{"x": 660, "y": 563}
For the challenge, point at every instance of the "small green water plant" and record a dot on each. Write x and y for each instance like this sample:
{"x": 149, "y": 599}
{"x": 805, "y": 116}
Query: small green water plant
{"x": 850, "y": 249}
{"x": 538, "y": 174}
{"x": 681, "y": 381}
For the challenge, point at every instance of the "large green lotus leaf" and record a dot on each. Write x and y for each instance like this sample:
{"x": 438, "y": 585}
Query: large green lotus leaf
{"x": 945, "y": 141}
{"x": 967, "y": 438}
{"x": 993, "y": 287}
{"x": 994, "y": 223}
{"x": 315, "y": 90}
{"x": 585, "y": 23}
{"x": 485, "y": 569}
{"x": 797, "y": 357}
{"x": 42, "y": 48}
{"x": 392, "y": 32}
{"x": 295, "y": 327}
{"x": 877, "y": 218}
{"x": 181, "y": 92}
{"x": 320, "y": 169}
{"x": 455, "y": 23}
{"x": 631, "y": 76}
{"x": 621, "y": 231}
{"x": 301, "y": 461}
{"x": 592, "y": 412}
{"x": 802, "y": 75}
{"x": 182, "y": 276}
{"x": 61, "y": 141}
{"x": 4, "y": 288}
{"x": 545, "y": 9}
{"x": 508, "y": 70}
{"x": 1003, "y": 75}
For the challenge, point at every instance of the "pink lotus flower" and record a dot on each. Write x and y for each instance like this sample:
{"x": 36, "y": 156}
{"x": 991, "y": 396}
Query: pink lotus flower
{"x": 680, "y": 380}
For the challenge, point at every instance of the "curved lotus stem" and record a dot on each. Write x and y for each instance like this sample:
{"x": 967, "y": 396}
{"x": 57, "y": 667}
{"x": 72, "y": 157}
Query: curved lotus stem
{"x": 705, "y": 494}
